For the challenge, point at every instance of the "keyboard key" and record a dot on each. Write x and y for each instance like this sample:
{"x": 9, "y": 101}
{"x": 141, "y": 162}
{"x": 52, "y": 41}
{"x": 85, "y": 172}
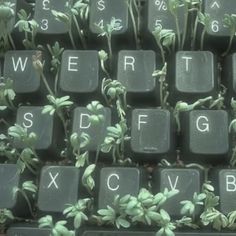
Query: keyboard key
{"x": 192, "y": 83}
{"x": 135, "y": 70}
{"x": 229, "y": 76}
{"x": 27, "y": 231}
{"x": 146, "y": 141}
{"x": 10, "y": 178}
{"x": 49, "y": 28}
{"x": 97, "y": 133}
{"x": 205, "y": 136}
{"x": 79, "y": 74}
{"x": 101, "y": 14}
{"x": 216, "y": 10}
{"x": 224, "y": 181}
{"x": 159, "y": 16}
{"x": 31, "y": 118}
{"x": 54, "y": 182}
{"x": 100, "y": 232}
{"x": 218, "y": 34}
{"x": 9, "y": 12}
{"x": 118, "y": 181}
{"x": 187, "y": 181}
{"x": 18, "y": 66}
{"x": 116, "y": 233}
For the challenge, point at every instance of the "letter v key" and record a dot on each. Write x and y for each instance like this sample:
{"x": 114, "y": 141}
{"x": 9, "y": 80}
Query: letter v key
{"x": 171, "y": 184}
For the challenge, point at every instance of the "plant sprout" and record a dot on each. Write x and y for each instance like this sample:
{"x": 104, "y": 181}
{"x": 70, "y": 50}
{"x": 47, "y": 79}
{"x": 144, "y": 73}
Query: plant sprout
{"x": 29, "y": 27}
{"x": 87, "y": 178}
{"x": 55, "y": 52}
{"x": 229, "y": 21}
{"x": 132, "y": 5}
{"x": 115, "y": 141}
{"x": 173, "y": 6}
{"x": 163, "y": 85}
{"x": 183, "y": 106}
{"x": 79, "y": 142}
{"x": 205, "y": 20}
{"x": 27, "y": 187}
{"x": 107, "y": 30}
{"x": 7, "y": 94}
{"x": 232, "y": 128}
{"x": 28, "y": 157}
{"x": 103, "y": 57}
{"x": 57, "y": 229}
{"x": 58, "y": 105}
{"x": 164, "y": 38}
{"x": 189, "y": 207}
{"x": 79, "y": 8}
{"x": 114, "y": 90}
{"x": 77, "y": 211}
{"x": 7, "y": 13}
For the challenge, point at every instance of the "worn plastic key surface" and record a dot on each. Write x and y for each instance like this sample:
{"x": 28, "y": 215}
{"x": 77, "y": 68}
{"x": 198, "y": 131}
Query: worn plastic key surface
{"x": 146, "y": 127}
{"x": 27, "y": 231}
{"x": 46, "y": 20}
{"x": 205, "y": 136}
{"x": 11, "y": 179}
{"x": 81, "y": 123}
{"x": 79, "y": 72}
{"x": 19, "y": 67}
{"x": 58, "y": 186}
{"x": 102, "y": 11}
{"x": 134, "y": 232}
{"x": 135, "y": 70}
{"x": 32, "y": 119}
{"x": 118, "y": 181}
{"x": 195, "y": 76}
{"x": 187, "y": 181}
{"x": 224, "y": 181}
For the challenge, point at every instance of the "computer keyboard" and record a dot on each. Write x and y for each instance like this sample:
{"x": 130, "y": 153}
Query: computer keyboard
{"x": 117, "y": 117}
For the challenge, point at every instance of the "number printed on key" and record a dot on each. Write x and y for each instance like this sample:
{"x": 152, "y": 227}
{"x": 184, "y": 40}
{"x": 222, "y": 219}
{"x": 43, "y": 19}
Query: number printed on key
{"x": 47, "y": 21}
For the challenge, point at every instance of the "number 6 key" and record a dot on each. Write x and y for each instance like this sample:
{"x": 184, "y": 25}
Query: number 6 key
{"x": 218, "y": 31}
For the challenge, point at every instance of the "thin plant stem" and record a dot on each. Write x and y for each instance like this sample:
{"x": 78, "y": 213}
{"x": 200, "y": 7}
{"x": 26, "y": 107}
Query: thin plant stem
{"x": 133, "y": 21}
{"x": 229, "y": 45}
{"x": 79, "y": 32}
{"x": 56, "y": 83}
{"x": 72, "y": 39}
{"x": 194, "y": 32}
{"x": 27, "y": 200}
{"x": 60, "y": 114}
{"x": 161, "y": 92}
{"x": 137, "y": 8}
{"x": 109, "y": 48}
{"x": 178, "y": 31}
{"x": 162, "y": 51}
{"x": 202, "y": 38}
{"x": 46, "y": 83}
{"x": 104, "y": 68}
{"x": 97, "y": 154}
{"x": 114, "y": 154}
{"x": 11, "y": 41}
{"x": 186, "y": 16}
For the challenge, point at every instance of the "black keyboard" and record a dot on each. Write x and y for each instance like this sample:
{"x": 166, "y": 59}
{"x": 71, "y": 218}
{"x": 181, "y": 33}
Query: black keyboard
{"x": 117, "y": 117}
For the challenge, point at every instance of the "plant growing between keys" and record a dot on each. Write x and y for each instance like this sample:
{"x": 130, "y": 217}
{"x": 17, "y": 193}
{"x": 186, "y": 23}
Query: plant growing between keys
{"x": 125, "y": 211}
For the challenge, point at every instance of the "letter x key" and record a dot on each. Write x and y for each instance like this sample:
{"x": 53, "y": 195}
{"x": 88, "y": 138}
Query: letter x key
{"x": 59, "y": 185}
